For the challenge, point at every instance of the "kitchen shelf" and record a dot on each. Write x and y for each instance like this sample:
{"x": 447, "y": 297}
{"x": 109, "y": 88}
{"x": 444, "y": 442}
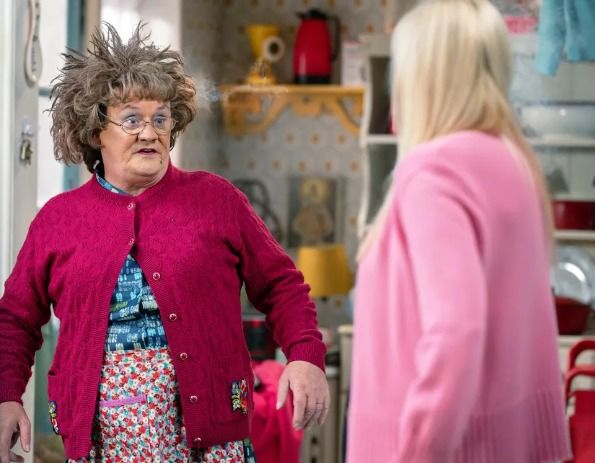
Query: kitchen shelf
{"x": 575, "y": 235}
{"x": 570, "y": 142}
{"x": 251, "y": 109}
{"x": 381, "y": 140}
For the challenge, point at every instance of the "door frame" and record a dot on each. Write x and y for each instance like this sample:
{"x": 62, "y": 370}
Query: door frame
{"x": 7, "y": 136}
{"x": 8, "y": 157}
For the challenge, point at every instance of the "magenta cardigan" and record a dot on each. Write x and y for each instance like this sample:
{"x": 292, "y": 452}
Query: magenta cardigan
{"x": 454, "y": 350}
{"x": 196, "y": 239}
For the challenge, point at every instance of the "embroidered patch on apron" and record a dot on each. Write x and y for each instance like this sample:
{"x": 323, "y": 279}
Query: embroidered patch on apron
{"x": 53, "y": 409}
{"x": 239, "y": 396}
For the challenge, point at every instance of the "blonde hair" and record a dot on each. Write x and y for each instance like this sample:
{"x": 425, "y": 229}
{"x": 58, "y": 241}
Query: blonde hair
{"x": 452, "y": 71}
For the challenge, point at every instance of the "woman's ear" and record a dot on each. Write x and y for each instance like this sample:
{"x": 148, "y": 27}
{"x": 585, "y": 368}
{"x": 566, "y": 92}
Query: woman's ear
{"x": 96, "y": 140}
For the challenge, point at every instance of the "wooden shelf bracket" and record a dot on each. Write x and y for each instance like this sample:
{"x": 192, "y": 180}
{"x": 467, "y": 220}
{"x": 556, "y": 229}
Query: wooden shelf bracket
{"x": 252, "y": 109}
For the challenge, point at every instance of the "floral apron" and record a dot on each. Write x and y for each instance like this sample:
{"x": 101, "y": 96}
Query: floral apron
{"x": 139, "y": 415}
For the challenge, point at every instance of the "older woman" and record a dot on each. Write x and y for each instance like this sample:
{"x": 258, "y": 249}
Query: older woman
{"x": 143, "y": 266}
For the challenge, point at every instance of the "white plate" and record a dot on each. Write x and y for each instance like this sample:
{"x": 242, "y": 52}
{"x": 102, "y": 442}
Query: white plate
{"x": 573, "y": 274}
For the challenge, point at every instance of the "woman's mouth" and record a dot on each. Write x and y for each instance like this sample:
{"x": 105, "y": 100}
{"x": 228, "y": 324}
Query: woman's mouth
{"x": 146, "y": 151}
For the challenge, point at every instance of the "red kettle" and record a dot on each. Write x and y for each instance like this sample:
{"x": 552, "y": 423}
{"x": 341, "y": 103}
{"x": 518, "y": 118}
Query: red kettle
{"x": 313, "y": 53}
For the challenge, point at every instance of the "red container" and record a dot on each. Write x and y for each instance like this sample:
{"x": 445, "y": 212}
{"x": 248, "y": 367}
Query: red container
{"x": 520, "y": 24}
{"x": 574, "y": 214}
{"x": 582, "y": 422}
{"x": 313, "y": 52}
{"x": 572, "y": 315}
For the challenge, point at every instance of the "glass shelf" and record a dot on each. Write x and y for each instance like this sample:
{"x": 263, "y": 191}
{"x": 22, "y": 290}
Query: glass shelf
{"x": 562, "y": 141}
{"x": 575, "y": 235}
{"x": 381, "y": 140}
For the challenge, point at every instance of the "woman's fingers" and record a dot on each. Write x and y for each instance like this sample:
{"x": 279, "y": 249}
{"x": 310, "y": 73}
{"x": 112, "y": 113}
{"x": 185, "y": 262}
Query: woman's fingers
{"x": 15, "y": 458}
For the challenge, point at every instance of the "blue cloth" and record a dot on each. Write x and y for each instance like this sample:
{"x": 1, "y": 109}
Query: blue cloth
{"x": 565, "y": 26}
{"x": 134, "y": 321}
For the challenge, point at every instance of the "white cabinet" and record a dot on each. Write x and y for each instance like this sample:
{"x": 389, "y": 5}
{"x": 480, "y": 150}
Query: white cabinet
{"x": 378, "y": 145}
{"x": 574, "y": 156}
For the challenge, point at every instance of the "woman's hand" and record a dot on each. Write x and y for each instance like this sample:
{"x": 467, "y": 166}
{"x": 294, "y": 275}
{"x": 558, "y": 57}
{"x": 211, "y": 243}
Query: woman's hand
{"x": 13, "y": 423}
{"x": 310, "y": 393}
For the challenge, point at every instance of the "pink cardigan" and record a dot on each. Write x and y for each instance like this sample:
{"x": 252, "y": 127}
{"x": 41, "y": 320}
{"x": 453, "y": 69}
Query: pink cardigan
{"x": 197, "y": 239}
{"x": 455, "y": 355}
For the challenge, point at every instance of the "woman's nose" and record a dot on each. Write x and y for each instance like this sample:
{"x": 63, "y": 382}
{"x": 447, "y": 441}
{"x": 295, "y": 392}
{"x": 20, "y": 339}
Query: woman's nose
{"x": 148, "y": 132}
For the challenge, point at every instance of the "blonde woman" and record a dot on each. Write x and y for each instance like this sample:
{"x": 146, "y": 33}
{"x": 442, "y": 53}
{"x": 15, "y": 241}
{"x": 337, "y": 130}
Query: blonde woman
{"x": 455, "y": 356}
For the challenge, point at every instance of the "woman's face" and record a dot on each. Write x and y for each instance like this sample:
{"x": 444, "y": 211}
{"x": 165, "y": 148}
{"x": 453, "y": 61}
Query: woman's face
{"x": 135, "y": 162}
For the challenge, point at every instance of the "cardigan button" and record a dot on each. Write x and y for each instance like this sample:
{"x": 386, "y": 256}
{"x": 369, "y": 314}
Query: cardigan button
{"x": 184, "y": 356}
{"x": 193, "y": 399}
{"x": 156, "y": 276}
{"x": 172, "y": 317}
{"x": 131, "y": 241}
{"x": 197, "y": 440}
{"x": 130, "y": 206}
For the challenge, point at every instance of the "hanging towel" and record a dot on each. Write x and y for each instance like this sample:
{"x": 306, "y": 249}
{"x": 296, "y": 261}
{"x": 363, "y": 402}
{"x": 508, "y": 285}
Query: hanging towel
{"x": 565, "y": 26}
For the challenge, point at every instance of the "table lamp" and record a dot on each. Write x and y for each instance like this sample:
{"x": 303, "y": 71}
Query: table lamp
{"x": 325, "y": 269}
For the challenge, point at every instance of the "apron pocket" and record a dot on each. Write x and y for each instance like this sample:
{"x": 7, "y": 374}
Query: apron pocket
{"x": 123, "y": 427}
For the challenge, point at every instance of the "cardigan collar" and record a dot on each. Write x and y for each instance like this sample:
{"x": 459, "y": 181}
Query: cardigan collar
{"x": 100, "y": 192}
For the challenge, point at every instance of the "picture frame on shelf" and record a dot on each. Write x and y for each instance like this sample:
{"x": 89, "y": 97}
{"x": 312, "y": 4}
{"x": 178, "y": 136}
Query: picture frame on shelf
{"x": 315, "y": 210}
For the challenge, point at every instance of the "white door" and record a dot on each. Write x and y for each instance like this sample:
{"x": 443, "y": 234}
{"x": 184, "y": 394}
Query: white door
{"x": 18, "y": 127}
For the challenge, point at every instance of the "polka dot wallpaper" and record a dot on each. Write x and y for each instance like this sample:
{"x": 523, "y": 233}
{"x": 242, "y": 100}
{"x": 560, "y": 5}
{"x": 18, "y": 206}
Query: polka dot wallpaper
{"x": 216, "y": 49}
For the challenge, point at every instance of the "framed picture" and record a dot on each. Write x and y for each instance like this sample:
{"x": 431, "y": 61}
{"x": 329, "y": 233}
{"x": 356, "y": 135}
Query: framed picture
{"x": 315, "y": 210}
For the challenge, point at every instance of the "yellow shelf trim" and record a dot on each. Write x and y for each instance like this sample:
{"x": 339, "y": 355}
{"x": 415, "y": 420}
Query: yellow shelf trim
{"x": 250, "y": 109}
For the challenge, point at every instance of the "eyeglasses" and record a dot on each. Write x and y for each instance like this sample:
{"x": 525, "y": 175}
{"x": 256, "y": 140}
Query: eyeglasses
{"x": 162, "y": 125}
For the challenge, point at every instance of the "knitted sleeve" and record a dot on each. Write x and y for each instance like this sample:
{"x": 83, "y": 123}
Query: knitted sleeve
{"x": 277, "y": 288}
{"x": 443, "y": 246}
{"x": 24, "y": 309}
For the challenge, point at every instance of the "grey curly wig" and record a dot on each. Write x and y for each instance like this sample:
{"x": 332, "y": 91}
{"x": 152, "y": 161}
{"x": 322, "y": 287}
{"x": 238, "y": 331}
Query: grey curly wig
{"x": 114, "y": 73}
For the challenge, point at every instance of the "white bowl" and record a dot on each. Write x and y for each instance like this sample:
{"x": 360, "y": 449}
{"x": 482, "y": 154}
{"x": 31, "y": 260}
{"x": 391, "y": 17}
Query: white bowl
{"x": 559, "y": 119}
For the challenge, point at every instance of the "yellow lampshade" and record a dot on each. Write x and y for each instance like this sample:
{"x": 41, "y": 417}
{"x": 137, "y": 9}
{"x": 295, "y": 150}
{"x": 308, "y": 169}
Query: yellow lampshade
{"x": 325, "y": 269}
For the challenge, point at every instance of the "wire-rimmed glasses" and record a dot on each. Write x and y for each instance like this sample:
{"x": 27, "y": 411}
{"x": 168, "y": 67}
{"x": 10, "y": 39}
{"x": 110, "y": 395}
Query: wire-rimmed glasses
{"x": 162, "y": 125}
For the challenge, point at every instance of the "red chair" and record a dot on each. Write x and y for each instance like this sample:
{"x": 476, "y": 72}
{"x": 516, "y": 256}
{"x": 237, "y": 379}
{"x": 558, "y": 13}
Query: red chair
{"x": 582, "y": 422}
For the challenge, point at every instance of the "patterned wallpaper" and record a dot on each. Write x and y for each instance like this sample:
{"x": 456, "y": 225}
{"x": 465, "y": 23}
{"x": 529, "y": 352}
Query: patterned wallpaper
{"x": 356, "y": 16}
{"x": 295, "y": 145}
{"x": 215, "y": 47}
{"x": 217, "y": 51}
{"x": 201, "y": 31}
